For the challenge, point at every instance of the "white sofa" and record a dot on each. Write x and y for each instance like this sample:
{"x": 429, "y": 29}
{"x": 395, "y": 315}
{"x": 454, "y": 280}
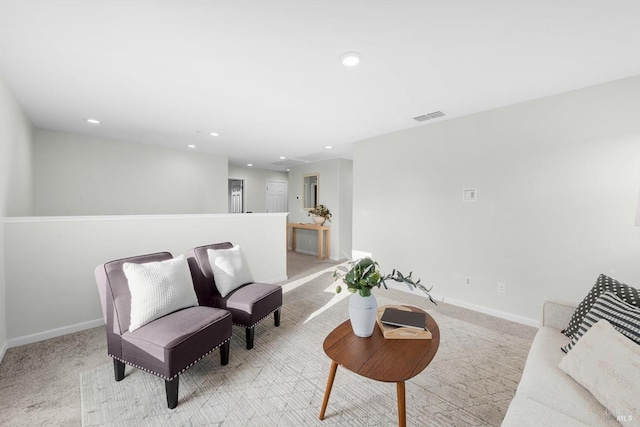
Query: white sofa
{"x": 546, "y": 396}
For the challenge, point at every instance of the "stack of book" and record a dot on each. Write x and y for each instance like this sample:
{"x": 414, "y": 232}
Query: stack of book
{"x": 399, "y": 322}
{"x": 405, "y": 319}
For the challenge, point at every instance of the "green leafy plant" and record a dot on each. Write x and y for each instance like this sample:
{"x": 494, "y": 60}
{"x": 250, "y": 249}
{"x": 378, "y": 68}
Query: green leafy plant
{"x": 364, "y": 274}
{"x": 320, "y": 210}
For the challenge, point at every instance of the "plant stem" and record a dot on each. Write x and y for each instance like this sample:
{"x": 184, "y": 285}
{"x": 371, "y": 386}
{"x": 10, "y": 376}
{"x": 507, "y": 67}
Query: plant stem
{"x": 365, "y": 292}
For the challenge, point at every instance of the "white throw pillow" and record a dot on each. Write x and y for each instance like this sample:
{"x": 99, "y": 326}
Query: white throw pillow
{"x": 230, "y": 269}
{"x": 158, "y": 288}
{"x": 607, "y": 364}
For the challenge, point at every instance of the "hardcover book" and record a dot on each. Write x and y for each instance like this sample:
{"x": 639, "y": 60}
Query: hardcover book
{"x": 405, "y": 319}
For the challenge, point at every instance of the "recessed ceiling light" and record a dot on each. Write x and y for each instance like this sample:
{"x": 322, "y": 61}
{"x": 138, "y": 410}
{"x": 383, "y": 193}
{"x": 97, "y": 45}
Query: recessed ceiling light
{"x": 249, "y": 164}
{"x": 93, "y": 121}
{"x": 214, "y": 134}
{"x": 328, "y": 147}
{"x": 282, "y": 157}
{"x": 191, "y": 146}
{"x": 351, "y": 59}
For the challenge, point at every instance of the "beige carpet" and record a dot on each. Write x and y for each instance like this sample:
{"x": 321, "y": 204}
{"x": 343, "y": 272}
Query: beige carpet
{"x": 281, "y": 381}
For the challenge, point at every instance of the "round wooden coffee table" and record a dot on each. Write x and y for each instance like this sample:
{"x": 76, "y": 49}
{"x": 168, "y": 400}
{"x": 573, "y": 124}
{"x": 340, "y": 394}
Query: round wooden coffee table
{"x": 387, "y": 360}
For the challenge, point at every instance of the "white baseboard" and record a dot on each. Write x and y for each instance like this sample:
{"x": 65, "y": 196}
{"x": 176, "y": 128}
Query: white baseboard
{"x": 490, "y": 311}
{"x": 302, "y": 251}
{"x": 480, "y": 309}
{"x": 53, "y": 333}
{"x": 3, "y": 350}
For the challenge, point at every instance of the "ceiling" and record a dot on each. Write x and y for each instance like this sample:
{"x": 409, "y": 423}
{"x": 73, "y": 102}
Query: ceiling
{"x": 265, "y": 75}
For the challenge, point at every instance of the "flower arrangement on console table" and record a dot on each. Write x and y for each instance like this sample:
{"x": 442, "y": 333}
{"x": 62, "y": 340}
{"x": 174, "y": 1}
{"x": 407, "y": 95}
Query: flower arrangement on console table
{"x": 364, "y": 275}
{"x": 320, "y": 214}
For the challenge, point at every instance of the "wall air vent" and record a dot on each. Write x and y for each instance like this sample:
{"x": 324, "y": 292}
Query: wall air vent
{"x": 323, "y": 155}
{"x": 288, "y": 162}
{"x": 425, "y": 117}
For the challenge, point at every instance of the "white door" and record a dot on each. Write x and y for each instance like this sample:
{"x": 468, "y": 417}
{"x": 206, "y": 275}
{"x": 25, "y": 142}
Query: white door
{"x": 276, "y": 196}
{"x": 235, "y": 195}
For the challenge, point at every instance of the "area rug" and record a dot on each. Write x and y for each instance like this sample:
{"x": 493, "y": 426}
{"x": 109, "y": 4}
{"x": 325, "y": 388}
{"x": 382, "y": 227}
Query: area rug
{"x": 281, "y": 381}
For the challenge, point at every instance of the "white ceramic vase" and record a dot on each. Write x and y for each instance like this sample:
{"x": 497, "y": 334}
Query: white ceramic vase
{"x": 362, "y": 313}
{"x": 319, "y": 220}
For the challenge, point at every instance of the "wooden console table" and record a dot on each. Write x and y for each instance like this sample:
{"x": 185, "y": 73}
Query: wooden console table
{"x": 322, "y": 240}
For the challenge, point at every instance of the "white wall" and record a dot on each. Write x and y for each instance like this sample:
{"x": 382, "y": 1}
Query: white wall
{"x": 336, "y": 193}
{"x": 255, "y": 185}
{"x": 16, "y": 172}
{"x": 345, "y": 203}
{"x": 15, "y": 180}
{"x": 50, "y": 262}
{"x": 557, "y": 182}
{"x": 84, "y": 175}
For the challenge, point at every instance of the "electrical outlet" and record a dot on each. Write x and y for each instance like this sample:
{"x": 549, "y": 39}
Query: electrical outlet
{"x": 456, "y": 279}
{"x": 502, "y": 288}
{"x": 467, "y": 280}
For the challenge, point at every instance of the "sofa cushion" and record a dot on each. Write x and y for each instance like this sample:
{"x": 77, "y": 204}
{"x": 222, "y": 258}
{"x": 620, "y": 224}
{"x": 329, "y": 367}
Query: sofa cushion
{"x": 166, "y": 345}
{"x": 625, "y": 318}
{"x": 604, "y": 284}
{"x": 157, "y": 289}
{"x": 556, "y": 314}
{"x": 230, "y": 269}
{"x": 251, "y": 303}
{"x": 526, "y": 412}
{"x": 545, "y": 383}
{"x": 607, "y": 364}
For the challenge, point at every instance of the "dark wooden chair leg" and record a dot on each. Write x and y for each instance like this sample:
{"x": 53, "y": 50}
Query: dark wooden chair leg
{"x": 224, "y": 353}
{"x": 249, "y": 333}
{"x": 172, "y": 392}
{"x": 276, "y": 317}
{"x": 118, "y": 369}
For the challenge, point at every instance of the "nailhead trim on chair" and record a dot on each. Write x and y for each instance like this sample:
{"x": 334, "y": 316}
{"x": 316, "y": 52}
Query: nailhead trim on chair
{"x": 162, "y": 376}
{"x": 254, "y": 325}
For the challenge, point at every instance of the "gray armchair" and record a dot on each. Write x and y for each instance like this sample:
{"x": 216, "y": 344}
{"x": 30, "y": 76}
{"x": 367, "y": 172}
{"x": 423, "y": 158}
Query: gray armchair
{"x": 249, "y": 304}
{"x": 167, "y": 346}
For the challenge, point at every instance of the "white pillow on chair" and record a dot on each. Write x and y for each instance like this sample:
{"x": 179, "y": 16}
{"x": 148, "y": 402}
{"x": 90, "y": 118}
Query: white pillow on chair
{"x": 158, "y": 288}
{"x": 230, "y": 269}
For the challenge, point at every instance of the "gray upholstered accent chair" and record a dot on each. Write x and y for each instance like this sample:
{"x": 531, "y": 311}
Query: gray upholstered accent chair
{"x": 166, "y": 346}
{"x": 249, "y": 304}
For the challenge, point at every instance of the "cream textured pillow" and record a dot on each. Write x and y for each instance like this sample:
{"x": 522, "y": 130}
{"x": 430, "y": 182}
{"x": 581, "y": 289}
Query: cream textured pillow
{"x": 607, "y": 363}
{"x": 158, "y": 288}
{"x": 230, "y": 269}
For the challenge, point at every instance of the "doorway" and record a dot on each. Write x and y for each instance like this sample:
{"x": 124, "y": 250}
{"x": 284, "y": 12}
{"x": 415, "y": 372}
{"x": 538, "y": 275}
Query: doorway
{"x": 276, "y": 197}
{"x": 236, "y": 195}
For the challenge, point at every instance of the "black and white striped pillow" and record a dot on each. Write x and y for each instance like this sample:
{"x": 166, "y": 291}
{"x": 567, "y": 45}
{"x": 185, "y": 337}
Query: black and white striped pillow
{"x": 604, "y": 284}
{"x": 625, "y": 318}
